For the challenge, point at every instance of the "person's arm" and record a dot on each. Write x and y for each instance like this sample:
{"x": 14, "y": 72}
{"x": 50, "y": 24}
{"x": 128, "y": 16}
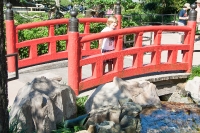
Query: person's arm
{"x": 100, "y": 43}
{"x": 183, "y": 18}
{"x": 182, "y": 15}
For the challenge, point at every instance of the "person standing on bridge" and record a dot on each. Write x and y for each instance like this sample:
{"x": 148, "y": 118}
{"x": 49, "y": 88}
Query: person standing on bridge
{"x": 183, "y": 17}
{"x": 107, "y": 44}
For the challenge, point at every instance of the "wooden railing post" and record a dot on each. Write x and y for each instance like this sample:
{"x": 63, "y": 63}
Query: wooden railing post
{"x": 191, "y": 23}
{"x": 119, "y": 45}
{"x": 118, "y": 63}
{"x": 87, "y": 31}
{"x": 74, "y": 53}
{"x": 10, "y": 37}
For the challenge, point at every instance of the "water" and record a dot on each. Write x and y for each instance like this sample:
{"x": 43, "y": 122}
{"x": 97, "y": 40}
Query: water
{"x": 171, "y": 118}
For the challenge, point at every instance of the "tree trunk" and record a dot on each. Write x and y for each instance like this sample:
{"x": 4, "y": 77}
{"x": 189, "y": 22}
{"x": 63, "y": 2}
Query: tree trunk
{"x": 4, "y": 116}
{"x": 57, "y": 3}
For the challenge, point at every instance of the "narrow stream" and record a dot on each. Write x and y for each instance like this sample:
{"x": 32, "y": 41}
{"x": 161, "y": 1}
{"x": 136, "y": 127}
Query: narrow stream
{"x": 171, "y": 118}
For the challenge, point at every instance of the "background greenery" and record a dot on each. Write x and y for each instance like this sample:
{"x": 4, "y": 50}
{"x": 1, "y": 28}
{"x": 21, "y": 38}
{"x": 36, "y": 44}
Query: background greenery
{"x": 134, "y": 14}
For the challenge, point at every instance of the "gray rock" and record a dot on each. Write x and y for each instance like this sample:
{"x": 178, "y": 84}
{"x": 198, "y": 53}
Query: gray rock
{"x": 131, "y": 109}
{"x": 114, "y": 114}
{"x": 180, "y": 95}
{"x": 98, "y": 116}
{"x": 42, "y": 104}
{"x": 105, "y": 127}
{"x": 142, "y": 93}
{"x": 193, "y": 86}
{"x": 176, "y": 97}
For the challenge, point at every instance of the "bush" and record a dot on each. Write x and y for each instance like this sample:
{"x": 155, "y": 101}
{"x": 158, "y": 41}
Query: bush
{"x": 195, "y": 72}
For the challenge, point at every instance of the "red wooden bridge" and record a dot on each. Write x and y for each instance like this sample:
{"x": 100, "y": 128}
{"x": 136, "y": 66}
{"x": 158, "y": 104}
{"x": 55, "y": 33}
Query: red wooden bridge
{"x": 79, "y": 53}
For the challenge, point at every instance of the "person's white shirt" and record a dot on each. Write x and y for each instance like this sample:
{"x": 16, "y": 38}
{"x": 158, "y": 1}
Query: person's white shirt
{"x": 107, "y": 43}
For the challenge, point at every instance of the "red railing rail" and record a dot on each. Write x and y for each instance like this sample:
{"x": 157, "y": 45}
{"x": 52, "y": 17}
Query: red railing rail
{"x": 78, "y": 45}
{"x": 14, "y": 45}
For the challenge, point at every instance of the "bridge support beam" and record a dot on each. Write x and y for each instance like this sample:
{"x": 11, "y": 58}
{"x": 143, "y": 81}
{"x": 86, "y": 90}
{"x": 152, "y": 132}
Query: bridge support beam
{"x": 119, "y": 40}
{"x": 74, "y": 53}
{"x": 192, "y": 24}
{"x": 10, "y": 37}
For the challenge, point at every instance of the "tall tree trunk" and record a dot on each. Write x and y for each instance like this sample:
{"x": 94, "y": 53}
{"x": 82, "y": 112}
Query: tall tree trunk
{"x": 4, "y": 116}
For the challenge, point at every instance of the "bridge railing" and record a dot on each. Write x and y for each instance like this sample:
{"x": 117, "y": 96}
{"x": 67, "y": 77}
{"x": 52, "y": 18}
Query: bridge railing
{"x": 76, "y": 62}
{"x": 51, "y": 39}
{"x": 14, "y": 44}
{"x": 79, "y": 53}
{"x": 137, "y": 54}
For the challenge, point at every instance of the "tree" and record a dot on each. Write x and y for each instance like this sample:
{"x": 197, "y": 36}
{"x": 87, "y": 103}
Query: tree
{"x": 4, "y": 116}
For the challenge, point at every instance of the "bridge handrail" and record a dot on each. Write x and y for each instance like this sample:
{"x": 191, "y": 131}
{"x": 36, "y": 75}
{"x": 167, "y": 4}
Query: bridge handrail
{"x": 42, "y": 23}
{"x": 133, "y": 30}
{"x": 57, "y": 22}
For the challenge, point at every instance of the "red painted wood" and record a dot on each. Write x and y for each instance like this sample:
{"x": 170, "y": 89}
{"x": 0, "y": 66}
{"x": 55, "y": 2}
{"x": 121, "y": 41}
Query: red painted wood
{"x": 191, "y": 39}
{"x": 78, "y": 45}
{"x": 10, "y": 46}
{"x": 91, "y": 82}
{"x": 86, "y": 46}
{"x": 74, "y": 56}
{"x": 52, "y": 44}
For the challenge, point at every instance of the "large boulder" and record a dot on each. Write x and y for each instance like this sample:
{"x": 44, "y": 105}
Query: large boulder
{"x": 42, "y": 104}
{"x": 141, "y": 92}
{"x": 193, "y": 86}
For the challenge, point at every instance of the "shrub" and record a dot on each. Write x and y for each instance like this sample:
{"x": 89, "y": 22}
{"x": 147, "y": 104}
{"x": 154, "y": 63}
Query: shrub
{"x": 195, "y": 72}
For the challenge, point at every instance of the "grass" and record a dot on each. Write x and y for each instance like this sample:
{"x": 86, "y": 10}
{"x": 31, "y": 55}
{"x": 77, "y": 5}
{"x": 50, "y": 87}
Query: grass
{"x": 195, "y": 72}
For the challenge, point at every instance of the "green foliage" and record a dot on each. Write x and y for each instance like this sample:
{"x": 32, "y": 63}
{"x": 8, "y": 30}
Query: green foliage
{"x": 195, "y": 72}
{"x": 61, "y": 129}
{"x": 23, "y": 18}
{"x": 197, "y": 31}
{"x": 29, "y": 34}
{"x": 42, "y": 48}
{"x": 23, "y": 52}
{"x": 61, "y": 30}
{"x": 96, "y": 28}
{"x": 80, "y": 102}
{"x": 92, "y": 3}
{"x": 162, "y": 6}
{"x": 128, "y": 4}
{"x": 13, "y": 128}
{"x": 64, "y": 2}
{"x": 136, "y": 12}
{"x": 68, "y": 130}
